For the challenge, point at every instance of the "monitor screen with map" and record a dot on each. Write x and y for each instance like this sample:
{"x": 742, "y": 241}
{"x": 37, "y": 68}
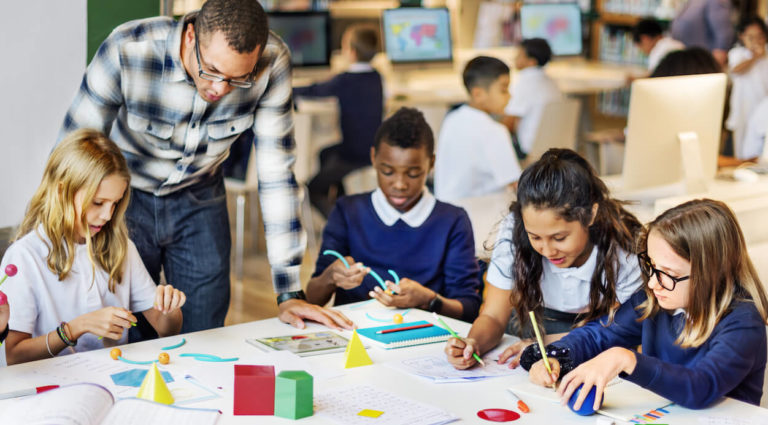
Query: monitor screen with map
{"x": 558, "y": 23}
{"x": 414, "y": 34}
{"x": 307, "y": 34}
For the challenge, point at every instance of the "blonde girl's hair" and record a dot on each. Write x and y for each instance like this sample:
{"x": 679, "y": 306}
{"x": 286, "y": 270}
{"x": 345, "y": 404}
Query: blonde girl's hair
{"x": 706, "y": 233}
{"x": 80, "y": 162}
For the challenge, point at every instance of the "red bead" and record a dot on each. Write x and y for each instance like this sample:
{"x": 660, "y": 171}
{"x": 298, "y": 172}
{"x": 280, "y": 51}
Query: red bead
{"x": 3, "y": 298}
{"x": 10, "y": 270}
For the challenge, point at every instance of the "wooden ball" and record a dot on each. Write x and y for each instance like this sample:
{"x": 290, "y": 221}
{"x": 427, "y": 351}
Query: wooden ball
{"x": 398, "y": 318}
{"x": 115, "y": 353}
{"x": 164, "y": 358}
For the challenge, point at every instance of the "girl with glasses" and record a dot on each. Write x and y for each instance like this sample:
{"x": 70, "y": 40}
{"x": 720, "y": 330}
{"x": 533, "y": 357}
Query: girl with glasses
{"x": 565, "y": 252}
{"x": 701, "y": 319}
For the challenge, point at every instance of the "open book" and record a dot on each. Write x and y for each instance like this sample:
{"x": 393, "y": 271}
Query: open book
{"x": 91, "y": 404}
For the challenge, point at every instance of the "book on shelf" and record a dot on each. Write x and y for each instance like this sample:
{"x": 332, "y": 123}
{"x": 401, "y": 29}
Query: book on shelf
{"x": 309, "y": 344}
{"x": 92, "y": 404}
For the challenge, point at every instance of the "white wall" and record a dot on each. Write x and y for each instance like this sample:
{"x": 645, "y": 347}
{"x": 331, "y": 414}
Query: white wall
{"x": 42, "y": 60}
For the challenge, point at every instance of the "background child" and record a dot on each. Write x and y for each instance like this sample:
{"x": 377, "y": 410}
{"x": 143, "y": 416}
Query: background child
{"x": 361, "y": 104}
{"x": 749, "y": 72}
{"x": 475, "y": 155}
{"x": 650, "y": 39}
{"x": 531, "y": 92}
{"x": 400, "y": 226}
{"x": 5, "y": 312}
{"x": 701, "y": 319}
{"x": 79, "y": 276}
{"x": 565, "y": 251}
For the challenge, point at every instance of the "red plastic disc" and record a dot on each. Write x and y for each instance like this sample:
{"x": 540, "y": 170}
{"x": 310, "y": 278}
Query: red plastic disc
{"x": 498, "y": 415}
{"x": 298, "y": 337}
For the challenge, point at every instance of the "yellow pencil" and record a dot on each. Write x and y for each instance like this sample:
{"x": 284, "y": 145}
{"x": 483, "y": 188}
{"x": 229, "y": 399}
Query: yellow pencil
{"x": 541, "y": 345}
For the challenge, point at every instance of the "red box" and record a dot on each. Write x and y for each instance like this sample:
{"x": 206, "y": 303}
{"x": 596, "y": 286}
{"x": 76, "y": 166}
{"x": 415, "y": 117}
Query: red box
{"x": 254, "y": 390}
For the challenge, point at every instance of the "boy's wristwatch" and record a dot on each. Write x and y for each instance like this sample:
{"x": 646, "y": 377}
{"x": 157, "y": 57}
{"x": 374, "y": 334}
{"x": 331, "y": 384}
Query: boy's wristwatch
{"x": 285, "y": 296}
{"x": 436, "y": 305}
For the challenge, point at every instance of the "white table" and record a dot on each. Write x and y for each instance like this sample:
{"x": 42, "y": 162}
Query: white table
{"x": 463, "y": 400}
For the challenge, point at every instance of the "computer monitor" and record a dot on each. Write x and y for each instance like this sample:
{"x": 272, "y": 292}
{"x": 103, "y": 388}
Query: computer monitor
{"x": 558, "y": 23}
{"x": 307, "y": 34}
{"x": 673, "y": 132}
{"x": 415, "y": 34}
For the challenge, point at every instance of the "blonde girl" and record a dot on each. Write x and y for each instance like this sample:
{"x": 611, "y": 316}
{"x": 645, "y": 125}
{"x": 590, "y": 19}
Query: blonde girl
{"x": 701, "y": 318}
{"x": 79, "y": 276}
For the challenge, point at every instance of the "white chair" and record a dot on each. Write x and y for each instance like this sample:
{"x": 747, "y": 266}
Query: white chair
{"x": 360, "y": 180}
{"x": 557, "y": 128}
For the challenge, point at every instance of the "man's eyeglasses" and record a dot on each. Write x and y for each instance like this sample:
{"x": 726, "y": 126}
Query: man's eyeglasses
{"x": 243, "y": 84}
{"x": 666, "y": 281}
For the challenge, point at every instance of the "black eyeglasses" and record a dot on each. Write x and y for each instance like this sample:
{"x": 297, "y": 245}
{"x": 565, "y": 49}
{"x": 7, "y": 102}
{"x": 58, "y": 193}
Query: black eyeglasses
{"x": 665, "y": 280}
{"x": 243, "y": 84}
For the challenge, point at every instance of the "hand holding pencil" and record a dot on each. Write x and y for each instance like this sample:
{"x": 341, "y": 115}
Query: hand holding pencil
{"x": 456, "y": 336}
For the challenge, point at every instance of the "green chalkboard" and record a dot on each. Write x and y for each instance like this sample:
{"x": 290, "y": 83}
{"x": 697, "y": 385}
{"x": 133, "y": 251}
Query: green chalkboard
{"x": 106, "y": 15}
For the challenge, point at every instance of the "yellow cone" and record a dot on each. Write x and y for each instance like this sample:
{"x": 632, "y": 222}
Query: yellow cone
{"x": 356, "y": 355}
{"x": 154, "y": 389}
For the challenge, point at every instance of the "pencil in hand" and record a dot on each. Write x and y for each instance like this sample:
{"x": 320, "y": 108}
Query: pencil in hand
{"x": 541, "y": 346}
{"x": 453, "y": 334}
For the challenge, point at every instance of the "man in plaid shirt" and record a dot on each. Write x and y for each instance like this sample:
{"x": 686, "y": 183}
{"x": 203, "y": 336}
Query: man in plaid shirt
{"x": 174, "y": 96}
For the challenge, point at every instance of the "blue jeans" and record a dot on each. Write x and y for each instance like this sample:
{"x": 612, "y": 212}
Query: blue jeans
{"x": 187, "y": 234}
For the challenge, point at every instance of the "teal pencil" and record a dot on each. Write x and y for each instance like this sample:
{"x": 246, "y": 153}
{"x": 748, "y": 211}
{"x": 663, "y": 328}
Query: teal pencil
{"x": 453, "y": 334}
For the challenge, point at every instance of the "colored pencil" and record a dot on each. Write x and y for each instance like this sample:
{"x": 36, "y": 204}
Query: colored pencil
{"x": 455, "y": 335}
{"x": 541, "y": 345}
{"x": 405, "y": 328}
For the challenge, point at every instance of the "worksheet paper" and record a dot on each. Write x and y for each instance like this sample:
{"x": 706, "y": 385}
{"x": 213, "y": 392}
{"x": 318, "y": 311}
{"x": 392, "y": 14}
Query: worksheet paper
{"x": 439, "y": 370}
{"x": 342, "y": 405}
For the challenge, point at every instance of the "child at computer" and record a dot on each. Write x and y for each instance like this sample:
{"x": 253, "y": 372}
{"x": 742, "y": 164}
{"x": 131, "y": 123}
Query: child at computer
{"x": 80, "y": 278}
{"x": 361, "y": 105}
{"x": 475, "y": 156}
{"x": 532, "y": 90}
{"x": 565, "y": 251}
{"x": 650, "y": 39}
{"x": 700, "y": 320}
{"x": 749, "y": 72}
{"x": 400, "y": 227}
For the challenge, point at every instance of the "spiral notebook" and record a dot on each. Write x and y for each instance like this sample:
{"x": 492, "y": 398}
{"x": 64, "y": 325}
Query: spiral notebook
{"x": 405, "y": 338}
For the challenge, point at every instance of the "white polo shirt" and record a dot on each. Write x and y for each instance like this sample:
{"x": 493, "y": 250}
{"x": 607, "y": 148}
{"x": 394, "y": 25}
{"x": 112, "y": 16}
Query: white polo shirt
{"x": 474, "y": 156}
{"x": 754, "y": 137}
{"x": 40, "y": 302}
{"x": 748, "y": 89}
{"x": 567, "y": 289}
{"x": 661, "y": 49}
{"x": 532, "y": 90}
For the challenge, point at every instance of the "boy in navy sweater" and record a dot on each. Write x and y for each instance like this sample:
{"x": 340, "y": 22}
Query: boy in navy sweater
{"x": 400, "y": 226}
{"x": 701, "y": 319}
{"x": 361, "y": 104}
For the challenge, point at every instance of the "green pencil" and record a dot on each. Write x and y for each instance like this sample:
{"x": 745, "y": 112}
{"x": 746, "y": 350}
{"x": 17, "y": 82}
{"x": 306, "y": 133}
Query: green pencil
{"x": 453, "y": 334}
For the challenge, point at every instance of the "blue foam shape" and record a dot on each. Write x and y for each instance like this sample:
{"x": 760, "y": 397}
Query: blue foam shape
{"x": 134, "y": 377}
{"x": 587, "y": 407}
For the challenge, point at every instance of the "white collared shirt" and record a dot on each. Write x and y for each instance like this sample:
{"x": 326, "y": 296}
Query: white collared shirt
{"x": 474, "y": 157}
{"x": 563, "y": 289}
{"x": 532, "y": 90}
{"x": 661, "y": 49}
{"x": 414, "y": 217}
{"x": 359, "y": 67}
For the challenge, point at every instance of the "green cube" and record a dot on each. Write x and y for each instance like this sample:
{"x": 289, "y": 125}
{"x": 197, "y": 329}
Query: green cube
{"x": 293, "y": 394}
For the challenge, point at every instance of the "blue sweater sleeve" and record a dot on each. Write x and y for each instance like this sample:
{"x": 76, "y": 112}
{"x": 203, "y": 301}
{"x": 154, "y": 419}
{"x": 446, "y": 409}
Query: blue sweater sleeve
{"x": 461, "y": 270}
{"x": 729, "y": 359}
{"x": 323, "y": 89}
{"x": 595, "y": 337}
{"x": 335, "y": 237}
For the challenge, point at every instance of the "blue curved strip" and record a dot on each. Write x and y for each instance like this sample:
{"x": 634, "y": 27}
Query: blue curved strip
{"x": 378, "y": 279}
{"x": 123, "y": 359}
{"x": 395, "y": 276}
{"x": 171, "y": 347}
{"x": 337, "y": 255}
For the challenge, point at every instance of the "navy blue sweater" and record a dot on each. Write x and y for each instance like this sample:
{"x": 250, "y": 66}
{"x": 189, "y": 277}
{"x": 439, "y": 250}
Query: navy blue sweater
{"x": 439, "y": 254}
{"x": 730, "y": 363}
{"x": 361, "y": 107}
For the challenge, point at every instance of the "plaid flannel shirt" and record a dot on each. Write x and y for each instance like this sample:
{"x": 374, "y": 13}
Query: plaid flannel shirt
{"x": 137, "y": 90}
